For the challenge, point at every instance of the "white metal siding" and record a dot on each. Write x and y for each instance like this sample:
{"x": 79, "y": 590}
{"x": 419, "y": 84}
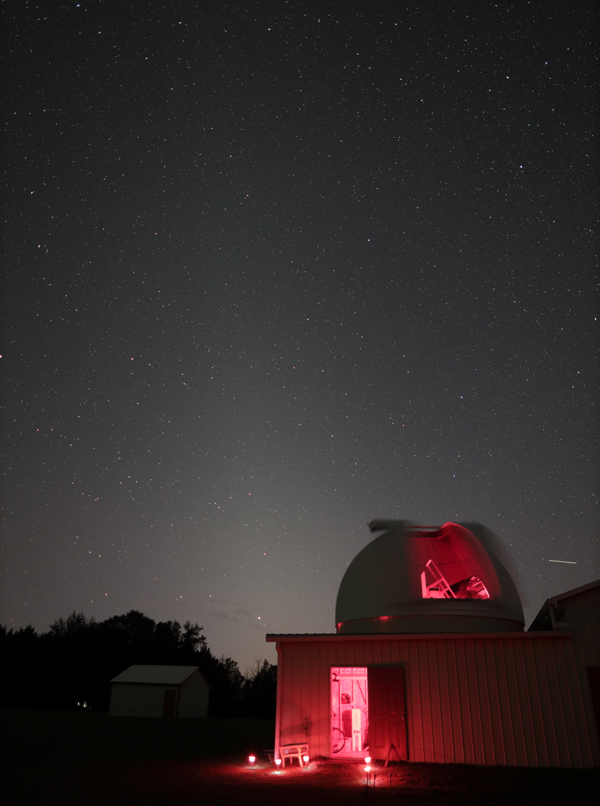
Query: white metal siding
{"x": 511, "y": 699}
{"x": 582, "y": 614}
{"x": 131, "y": 699}
{"x": 193, "y": 698}
{"x": 147, "y": 699}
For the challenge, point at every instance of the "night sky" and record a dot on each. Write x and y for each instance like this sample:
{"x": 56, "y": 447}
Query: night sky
{"x": 274, "y": 269}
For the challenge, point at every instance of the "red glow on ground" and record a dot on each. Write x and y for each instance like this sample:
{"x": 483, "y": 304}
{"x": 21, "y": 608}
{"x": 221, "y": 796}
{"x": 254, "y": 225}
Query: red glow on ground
{"x": 230, "y": 782}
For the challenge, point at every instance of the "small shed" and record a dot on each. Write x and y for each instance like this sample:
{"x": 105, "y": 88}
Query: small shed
{"x": 159, "y": 691}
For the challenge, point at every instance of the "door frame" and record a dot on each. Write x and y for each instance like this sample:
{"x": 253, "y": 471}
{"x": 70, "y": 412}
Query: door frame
{"x": 331, "y": 666}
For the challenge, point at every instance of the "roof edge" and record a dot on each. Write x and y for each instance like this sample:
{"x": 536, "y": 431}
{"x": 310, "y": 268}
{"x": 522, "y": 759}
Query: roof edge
{"x": 543, "y": 615}
{"x": 574, "y": 592}
{"x": 494, "y": 636}
{"x": 162, "y": 667}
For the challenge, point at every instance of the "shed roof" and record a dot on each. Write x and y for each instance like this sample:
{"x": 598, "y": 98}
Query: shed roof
{"x": 543, "y": 621}
{"x": 159, "y": 675}
{"x": 575, "y": 591}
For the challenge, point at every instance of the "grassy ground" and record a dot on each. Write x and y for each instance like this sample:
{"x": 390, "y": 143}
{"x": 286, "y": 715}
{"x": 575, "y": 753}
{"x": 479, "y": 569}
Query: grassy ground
{"x": 82, "y": 758}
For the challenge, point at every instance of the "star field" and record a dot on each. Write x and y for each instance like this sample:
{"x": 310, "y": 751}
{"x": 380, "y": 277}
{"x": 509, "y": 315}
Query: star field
{"x": 276, "y": 269}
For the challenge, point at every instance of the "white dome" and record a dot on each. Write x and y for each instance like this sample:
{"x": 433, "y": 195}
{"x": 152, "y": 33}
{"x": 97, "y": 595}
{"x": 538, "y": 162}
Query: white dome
{"x": 426, "y": 579}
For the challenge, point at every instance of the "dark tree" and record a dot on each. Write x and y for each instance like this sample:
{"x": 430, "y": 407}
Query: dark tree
{"x": 74, "y": 662}
{"x": 226, "y": 683}
{"x": 260, "y": 691}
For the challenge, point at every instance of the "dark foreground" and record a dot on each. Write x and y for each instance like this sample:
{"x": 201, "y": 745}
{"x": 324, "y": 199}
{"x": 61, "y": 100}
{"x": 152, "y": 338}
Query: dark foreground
{"x": 81, "y": 758}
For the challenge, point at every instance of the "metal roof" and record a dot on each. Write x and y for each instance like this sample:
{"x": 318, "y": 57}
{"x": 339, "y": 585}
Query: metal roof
{"x": 543, "y": 620}
{"x": 386, "y": 637}
{"x": 575, "y": 591}
{"x": 159, "y": 675}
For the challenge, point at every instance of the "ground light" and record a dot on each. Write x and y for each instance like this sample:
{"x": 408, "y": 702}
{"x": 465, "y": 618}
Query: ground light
{"x": 278, "y": 764}
{"x": 252, "y": 761}
{"x": 305, "y": 759}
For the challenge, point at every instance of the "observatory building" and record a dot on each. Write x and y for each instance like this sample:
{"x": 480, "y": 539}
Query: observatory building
{"x": 430, "y": 661}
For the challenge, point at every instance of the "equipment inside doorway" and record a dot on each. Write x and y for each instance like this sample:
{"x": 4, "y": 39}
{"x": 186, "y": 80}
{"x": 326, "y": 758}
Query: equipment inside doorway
{"x": 349, "y": 711}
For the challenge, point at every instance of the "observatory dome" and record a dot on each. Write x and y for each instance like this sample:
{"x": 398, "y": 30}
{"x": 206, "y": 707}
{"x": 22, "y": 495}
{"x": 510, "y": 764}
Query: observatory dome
{"x": 421, "y": 579}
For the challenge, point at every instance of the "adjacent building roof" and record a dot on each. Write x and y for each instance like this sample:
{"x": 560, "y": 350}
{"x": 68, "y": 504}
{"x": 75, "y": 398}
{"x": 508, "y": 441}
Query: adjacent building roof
{"x": 159, "y": 675}
{"x": 544, "y": 620}
{"x": 575, "y": 591}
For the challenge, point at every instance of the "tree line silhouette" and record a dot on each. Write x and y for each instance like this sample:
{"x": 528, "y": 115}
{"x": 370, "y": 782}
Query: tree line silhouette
{"x": 75, "y": 660}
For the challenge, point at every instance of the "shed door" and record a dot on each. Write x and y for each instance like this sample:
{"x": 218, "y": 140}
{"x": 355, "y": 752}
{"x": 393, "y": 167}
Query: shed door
{"x": 387, "y": 712}
{"x": 169, "y": 703}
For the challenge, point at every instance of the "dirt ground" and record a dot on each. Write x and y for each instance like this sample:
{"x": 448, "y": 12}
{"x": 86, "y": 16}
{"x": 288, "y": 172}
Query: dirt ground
{"x": 225, "y": 782}
{"x": 79, "y": 760}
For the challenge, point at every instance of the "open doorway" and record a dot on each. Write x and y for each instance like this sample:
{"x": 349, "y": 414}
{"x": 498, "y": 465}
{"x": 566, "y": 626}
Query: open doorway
{"x": 349, "y": 711}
